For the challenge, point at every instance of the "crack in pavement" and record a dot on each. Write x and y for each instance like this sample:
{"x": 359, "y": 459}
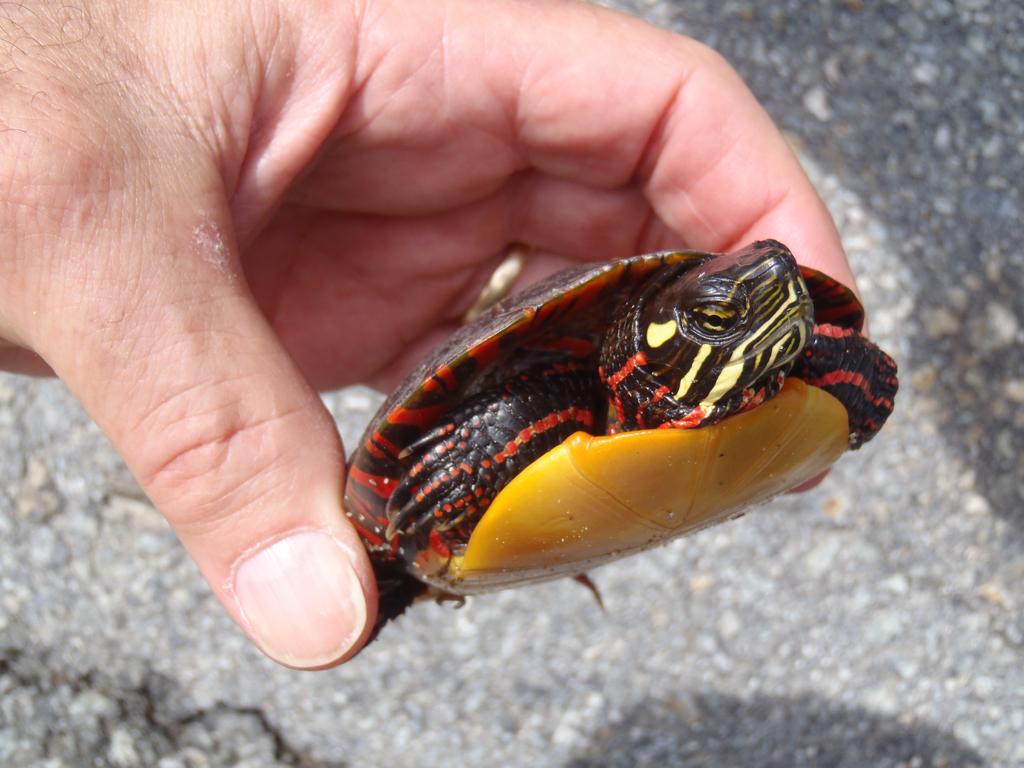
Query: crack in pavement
{"x": 129, "y": 725}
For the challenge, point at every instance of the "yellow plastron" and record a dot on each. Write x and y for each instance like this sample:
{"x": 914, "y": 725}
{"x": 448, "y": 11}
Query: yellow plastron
{"x": 593, "y": 499}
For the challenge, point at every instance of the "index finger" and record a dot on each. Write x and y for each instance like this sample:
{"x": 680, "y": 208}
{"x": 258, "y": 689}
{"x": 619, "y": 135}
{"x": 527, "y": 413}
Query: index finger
{"x": 578, "y": 94}
{"x": 670, "y": 115}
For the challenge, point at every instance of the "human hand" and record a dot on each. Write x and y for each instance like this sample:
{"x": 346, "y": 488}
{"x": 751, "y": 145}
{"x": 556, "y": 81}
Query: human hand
{"x": 208, "y": 218}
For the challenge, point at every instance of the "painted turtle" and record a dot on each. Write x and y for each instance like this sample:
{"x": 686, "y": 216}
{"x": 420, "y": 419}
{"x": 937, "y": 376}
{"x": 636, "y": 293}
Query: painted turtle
{"x": 533, "y": 443}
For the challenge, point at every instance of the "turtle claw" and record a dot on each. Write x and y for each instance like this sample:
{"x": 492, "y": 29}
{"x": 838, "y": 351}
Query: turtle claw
{"x": 586, "y": 581}
{"x": 397, "y": 523}
{"x": 427, "y": 440}
{"x": 411, "y": 517}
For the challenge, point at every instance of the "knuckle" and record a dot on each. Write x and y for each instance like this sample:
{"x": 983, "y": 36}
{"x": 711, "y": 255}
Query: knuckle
{"x": 207, "y": 461}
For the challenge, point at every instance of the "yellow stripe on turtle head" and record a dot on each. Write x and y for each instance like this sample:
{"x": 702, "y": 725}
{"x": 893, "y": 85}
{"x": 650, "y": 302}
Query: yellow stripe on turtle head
{"x": 691, "y": 375}
{"x": 659, "y": 333}
{"x": 731, "y": 372}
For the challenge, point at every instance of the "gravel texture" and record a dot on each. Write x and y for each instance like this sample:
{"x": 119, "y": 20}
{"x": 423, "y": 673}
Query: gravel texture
{"x": 876, "y": 621}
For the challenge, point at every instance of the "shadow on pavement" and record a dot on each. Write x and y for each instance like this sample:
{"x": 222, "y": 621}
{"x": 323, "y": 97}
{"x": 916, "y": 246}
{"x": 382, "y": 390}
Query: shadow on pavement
{"x": 716, "y": 730}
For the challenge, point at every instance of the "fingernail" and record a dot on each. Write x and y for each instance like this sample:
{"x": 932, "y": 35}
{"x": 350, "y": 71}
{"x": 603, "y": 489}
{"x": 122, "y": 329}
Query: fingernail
{"x": 301, "y": 599}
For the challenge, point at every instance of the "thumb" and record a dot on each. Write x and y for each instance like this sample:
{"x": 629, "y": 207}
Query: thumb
{"x": 186, "y": 378}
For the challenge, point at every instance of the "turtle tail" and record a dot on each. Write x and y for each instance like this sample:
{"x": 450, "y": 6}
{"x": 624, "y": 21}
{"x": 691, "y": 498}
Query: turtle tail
{"x": 848, "y": 366}
{"x": 396, "y": 591}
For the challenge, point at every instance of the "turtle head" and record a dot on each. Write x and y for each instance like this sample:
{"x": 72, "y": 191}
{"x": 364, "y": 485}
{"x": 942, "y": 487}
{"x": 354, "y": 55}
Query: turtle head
{"x": 711, "y": 339}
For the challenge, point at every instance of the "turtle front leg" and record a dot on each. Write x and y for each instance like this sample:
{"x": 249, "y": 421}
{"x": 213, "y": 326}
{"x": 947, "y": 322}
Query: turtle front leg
{"x": 457, "y": 469}
{"x": 848, "y": 366}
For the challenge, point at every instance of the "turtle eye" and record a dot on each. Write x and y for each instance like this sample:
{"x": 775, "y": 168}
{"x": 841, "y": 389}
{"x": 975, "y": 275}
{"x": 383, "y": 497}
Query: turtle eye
{"x": 715, "y": 317}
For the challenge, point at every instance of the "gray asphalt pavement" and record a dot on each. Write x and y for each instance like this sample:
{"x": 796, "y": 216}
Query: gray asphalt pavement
{"x": 876, "y": 621}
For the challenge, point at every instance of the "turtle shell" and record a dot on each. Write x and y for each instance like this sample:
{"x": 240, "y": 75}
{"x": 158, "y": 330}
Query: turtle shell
{"x": 593, "y": 498}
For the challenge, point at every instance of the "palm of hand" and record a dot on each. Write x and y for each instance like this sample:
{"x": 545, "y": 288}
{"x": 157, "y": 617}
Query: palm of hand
{"x": 421, "y": 185}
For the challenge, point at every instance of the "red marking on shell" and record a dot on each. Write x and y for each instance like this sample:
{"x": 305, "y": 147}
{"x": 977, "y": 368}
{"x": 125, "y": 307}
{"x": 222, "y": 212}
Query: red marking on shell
{"x": 447, "y": 375}
{"x": 417, "y": 417}
{"x": 833, "y": 302}
{"x": 367, "y": 534}
{"x": 362, "y": 516}
{"x": 360, "y": 505}
{"x": 442, "y": 380}
{"x": 381, "y": 485}
{"x": 380, "y": 447}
